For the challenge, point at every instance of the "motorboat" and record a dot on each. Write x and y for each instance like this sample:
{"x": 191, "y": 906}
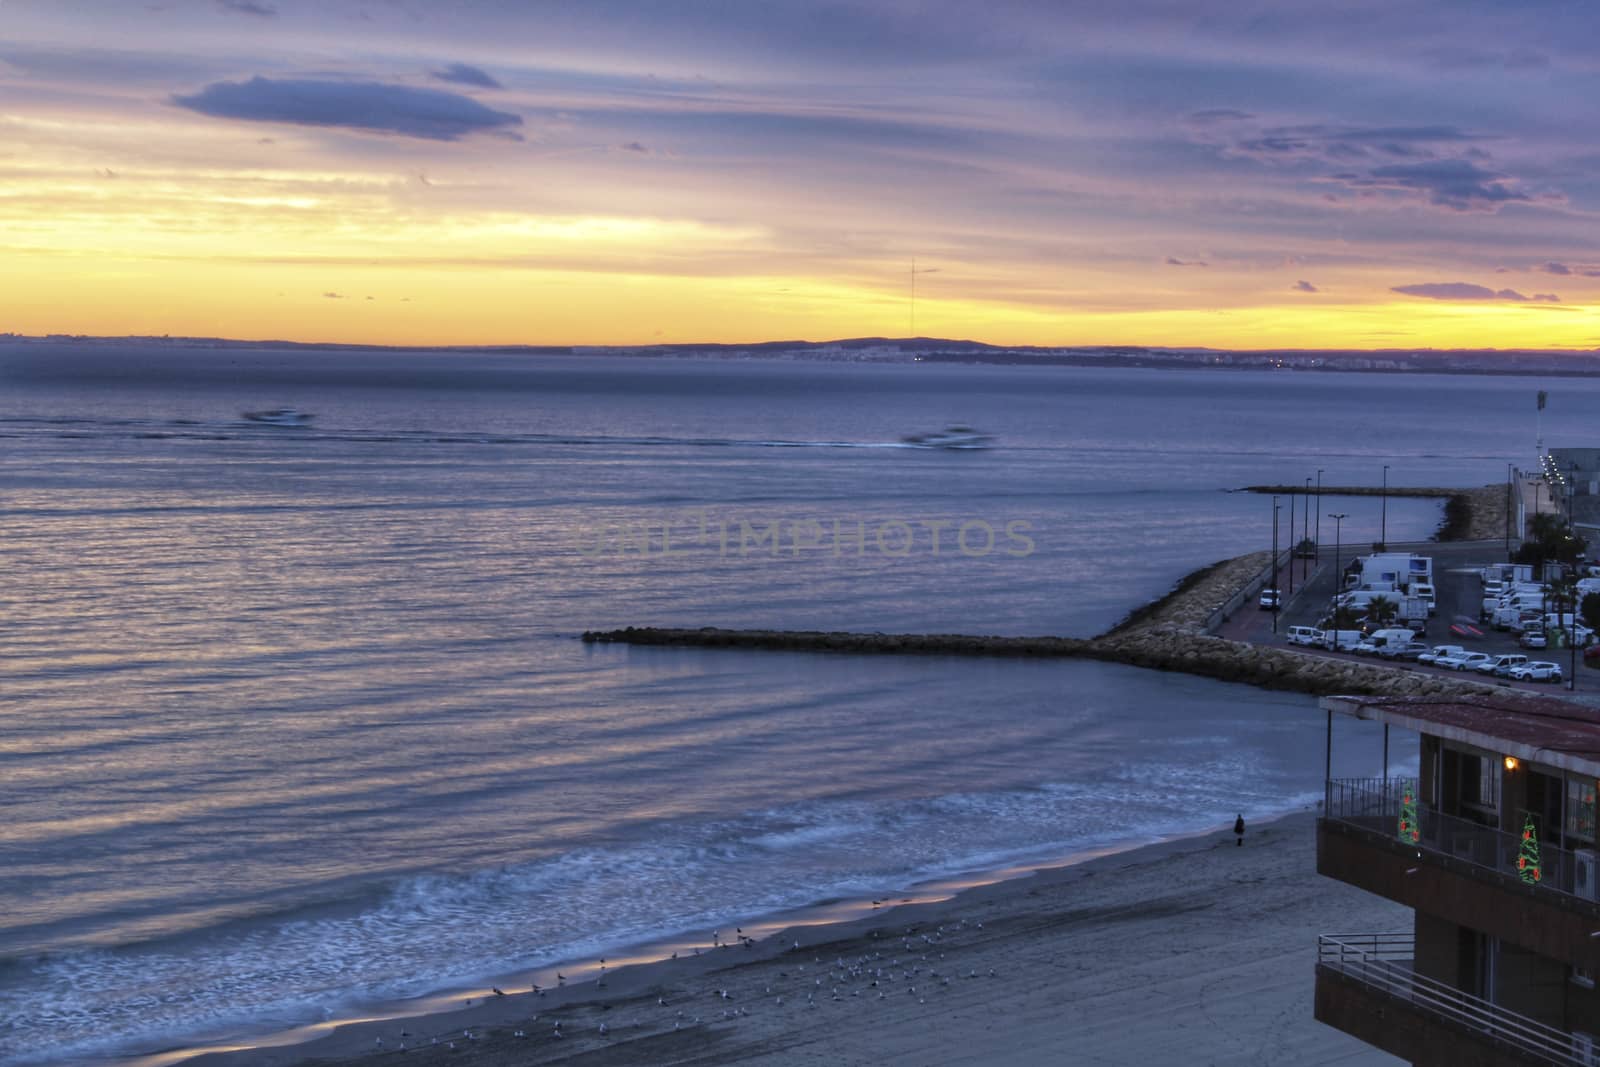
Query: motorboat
{"x": 279, "y": 417}
{"x": 956, "y": 438}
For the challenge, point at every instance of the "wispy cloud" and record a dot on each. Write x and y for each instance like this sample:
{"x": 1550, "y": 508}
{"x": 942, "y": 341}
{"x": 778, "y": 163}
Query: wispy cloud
{"x": 1468, "y": 291}
{"x": 1303, "y": 286}
{"x": 429, "y": 114}
{"x": 1457, "y": 184}
{"x": 466, "y": 74}
{"x": 1174, "y": 261}
{"x": 247, "y": 7}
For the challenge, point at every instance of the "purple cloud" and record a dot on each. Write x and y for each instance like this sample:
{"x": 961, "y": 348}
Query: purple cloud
{"x": 1453, "y": 183}
{"x": 1174, "y": 261}
{"x": 464, "y": 74}
{"x": 247, "y": 7}
{"x": 1345, "y": 145}
{"x": 1553, "y": 267}
{"x": 429, "y": 114}
{"x": 1303, "y": 287}
{"x": 1468, "y": 291}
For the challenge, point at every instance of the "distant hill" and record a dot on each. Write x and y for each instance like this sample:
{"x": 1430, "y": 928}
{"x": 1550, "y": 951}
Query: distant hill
{"x": 946, "y": 350}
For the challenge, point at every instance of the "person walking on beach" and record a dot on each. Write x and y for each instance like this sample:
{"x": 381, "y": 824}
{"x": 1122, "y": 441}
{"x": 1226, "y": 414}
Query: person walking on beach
{"x": 1238, "y": 830}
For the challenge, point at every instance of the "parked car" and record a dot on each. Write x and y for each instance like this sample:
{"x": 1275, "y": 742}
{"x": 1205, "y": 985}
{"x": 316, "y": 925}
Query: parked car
{"x": 1304, "y": 635}
{"x": 1409, "y": 651}
{"x": 1462, "y": 661}
{"x": 1271, "y": 600}
{"x": 1537, "y": 671}
{"x": 1500, "y": 666}
{"x": 1439, "y": 652}
{"x": 1532, "y": 639}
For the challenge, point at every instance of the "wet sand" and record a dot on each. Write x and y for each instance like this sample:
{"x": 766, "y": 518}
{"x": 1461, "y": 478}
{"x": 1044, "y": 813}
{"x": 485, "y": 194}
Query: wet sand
{"x": 1194, "y": 951}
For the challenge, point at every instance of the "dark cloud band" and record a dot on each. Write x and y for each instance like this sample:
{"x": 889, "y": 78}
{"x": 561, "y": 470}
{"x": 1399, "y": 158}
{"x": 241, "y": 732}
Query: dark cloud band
{"x": 430, "y": 114}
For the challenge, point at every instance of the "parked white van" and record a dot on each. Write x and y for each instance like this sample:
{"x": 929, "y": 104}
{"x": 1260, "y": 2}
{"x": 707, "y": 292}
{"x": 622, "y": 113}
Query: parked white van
{"x": 1341, "y": 640}
{"x": 1386, "y": 642}
{"x": 1304, "y": 635}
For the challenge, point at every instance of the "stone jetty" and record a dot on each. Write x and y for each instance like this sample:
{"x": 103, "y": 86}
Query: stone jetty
{"x": 1469, "y": 514}
{"x": 1168, "y": 634}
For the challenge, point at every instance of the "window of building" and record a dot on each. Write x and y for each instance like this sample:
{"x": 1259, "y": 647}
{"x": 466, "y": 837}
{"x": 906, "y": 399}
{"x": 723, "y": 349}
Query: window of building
{"x": 1480, "y": 781}
{"x": 1580, "y": 808}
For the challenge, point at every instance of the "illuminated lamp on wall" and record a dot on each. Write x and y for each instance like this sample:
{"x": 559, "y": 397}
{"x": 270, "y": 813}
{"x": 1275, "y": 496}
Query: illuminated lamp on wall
{"x": 1511, "y": 763}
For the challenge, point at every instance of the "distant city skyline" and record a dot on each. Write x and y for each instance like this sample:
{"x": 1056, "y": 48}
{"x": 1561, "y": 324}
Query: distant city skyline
{"x": 1155, "y": 172}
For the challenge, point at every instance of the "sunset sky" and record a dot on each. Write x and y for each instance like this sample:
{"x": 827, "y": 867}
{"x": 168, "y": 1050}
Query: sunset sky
{"x": 1174, "y": 172}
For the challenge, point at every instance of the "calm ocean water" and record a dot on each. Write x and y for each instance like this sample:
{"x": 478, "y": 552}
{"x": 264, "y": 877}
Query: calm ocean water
{"x": 295, "y": 721}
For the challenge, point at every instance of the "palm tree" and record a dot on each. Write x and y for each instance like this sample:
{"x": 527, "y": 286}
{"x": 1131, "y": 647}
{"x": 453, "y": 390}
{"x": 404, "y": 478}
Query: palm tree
{"x": 1382, "y": 610}
{"x": 1344, "y": 617}
{"x": 1561, "y": 594}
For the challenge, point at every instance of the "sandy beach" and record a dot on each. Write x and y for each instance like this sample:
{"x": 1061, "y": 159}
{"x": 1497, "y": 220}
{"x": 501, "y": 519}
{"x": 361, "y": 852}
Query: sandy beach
{"x": 1194, "y": 951}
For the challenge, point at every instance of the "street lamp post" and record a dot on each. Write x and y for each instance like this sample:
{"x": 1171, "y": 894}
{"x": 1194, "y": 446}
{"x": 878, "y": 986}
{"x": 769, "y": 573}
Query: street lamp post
{"x": 1305, "y": 529}
{"x": 1338, "y": 522}
{"x": 1274, "y": 566}
{"x": 1291, "y": 544}
{"x": 1572, "y": 640}
{"x": 1318, "y": 553}
{"x": 1383, "y": 522}
{"x": 1509, "y": 469}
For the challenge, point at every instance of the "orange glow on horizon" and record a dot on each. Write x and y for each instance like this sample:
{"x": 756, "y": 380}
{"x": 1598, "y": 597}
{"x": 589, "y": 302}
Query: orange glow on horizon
{"x": 360, "y": 255}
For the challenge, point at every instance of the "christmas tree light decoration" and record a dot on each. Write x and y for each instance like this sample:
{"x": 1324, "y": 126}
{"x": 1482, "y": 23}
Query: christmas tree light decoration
{"x": 1528, "y": 860}
{"x": 1410, "y": 831}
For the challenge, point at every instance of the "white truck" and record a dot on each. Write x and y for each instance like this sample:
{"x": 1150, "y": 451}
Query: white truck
{"x": 1398, "y": 569}
{"x": 1507, "y": 573}
{"x": 1414, "y": 612}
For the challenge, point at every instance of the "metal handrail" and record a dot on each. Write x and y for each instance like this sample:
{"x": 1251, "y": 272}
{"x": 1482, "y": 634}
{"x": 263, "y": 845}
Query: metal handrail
{"x": 1374, "y": 804}
{"x": 1384, "y": 962}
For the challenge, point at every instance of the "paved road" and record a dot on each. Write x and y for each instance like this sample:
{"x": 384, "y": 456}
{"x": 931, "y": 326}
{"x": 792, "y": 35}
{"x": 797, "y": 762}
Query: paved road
{"x": 1458, "y": 592}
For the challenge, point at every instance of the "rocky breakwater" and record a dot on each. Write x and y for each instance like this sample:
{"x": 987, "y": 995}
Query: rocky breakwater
{"x": 845, "y": 641}
{"x": 1170, "y": 634}
{"x": 1166, "y": 646}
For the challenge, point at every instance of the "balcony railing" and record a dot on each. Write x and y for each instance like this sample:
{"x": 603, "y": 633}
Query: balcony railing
{"x": 1383, "y": 962}
{"x": 1376, "y": 804}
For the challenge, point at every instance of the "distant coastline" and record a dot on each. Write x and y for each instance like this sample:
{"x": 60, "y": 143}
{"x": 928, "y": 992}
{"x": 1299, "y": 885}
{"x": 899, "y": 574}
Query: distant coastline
{"x": 1551, "y": 362}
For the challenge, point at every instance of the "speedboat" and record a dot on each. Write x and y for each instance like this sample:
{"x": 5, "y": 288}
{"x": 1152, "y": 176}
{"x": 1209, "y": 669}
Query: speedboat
{"x": 279, "y": 417}
{"x": 957, "y": 438}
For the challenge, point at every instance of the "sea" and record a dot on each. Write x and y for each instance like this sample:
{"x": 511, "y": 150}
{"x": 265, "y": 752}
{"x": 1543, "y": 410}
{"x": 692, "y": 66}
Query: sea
{"x": 296, "y": 723}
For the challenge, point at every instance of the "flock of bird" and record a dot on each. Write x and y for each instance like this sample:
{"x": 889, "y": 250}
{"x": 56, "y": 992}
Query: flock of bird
{"x": 912, "y": 965}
